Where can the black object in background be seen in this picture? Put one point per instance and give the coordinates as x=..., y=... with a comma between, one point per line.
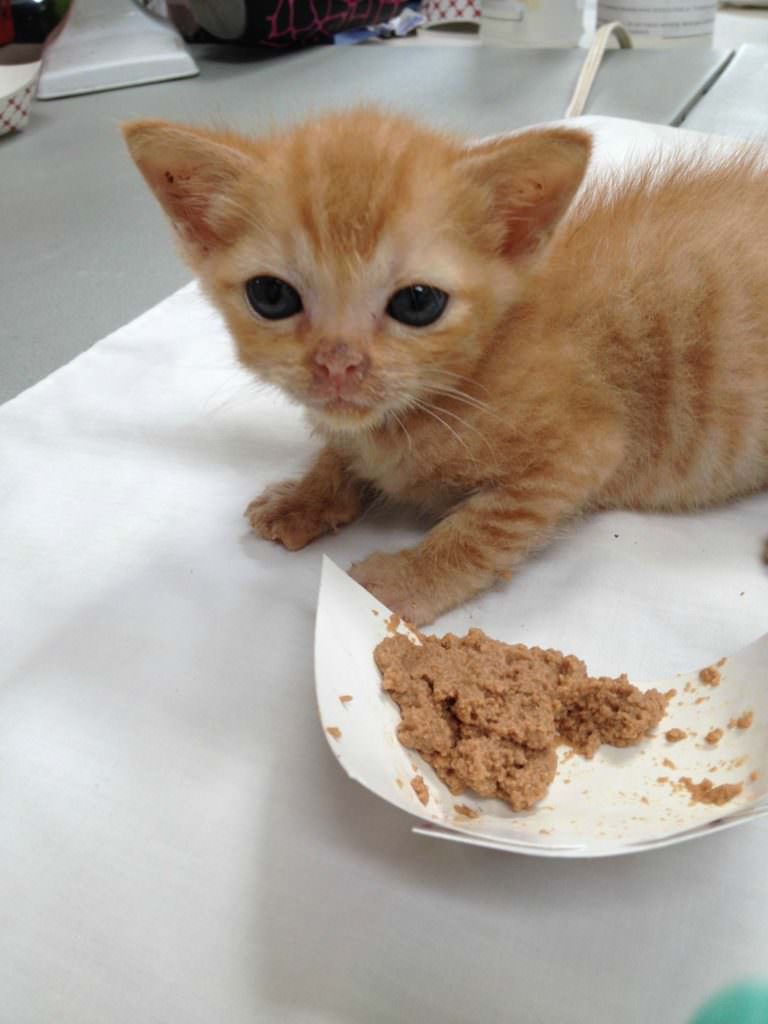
x=276, y=23
x=34, y=21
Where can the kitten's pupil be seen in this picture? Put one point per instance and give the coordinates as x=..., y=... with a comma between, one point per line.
x=272, y=298
x=418, y=305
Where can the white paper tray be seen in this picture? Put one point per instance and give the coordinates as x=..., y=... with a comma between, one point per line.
x=608, y=805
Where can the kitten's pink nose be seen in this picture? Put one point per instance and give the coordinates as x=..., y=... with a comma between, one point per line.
x=339, y=364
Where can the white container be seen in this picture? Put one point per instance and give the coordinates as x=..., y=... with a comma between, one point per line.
x=531, y=23
x=656, y=24
x=18, y=83
x=101, y=48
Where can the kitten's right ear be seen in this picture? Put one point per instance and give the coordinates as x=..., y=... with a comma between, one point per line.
x=195, y=177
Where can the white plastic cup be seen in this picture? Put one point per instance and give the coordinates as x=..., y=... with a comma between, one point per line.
x=531, y=23
x=662, y=23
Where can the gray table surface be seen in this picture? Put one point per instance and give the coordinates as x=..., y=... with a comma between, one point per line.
x=738, y=105
x=83, y=246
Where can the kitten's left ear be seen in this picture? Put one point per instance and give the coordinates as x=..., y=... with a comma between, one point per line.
x=531, y=178
x=195, y=175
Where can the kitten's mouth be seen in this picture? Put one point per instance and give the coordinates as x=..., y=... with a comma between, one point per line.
x=345, y=414
x=344, y=405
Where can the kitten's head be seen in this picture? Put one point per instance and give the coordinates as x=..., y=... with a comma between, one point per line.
x=361, y=261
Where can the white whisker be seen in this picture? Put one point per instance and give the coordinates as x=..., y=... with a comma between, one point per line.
x=462, y=376
x=461, y=396
x=430, y=411
x=468, y=426
x=404, y=428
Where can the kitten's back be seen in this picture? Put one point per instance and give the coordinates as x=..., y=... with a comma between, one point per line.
x=664, y=278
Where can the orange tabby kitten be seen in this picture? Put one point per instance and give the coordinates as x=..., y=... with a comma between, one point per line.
x=455, y=349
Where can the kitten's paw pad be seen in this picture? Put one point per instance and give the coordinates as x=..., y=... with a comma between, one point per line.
x=392, y=579
x=282, y=514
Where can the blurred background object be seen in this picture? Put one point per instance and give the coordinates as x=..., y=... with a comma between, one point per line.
x=548, y=24
x=17, y=91
x=113, y=46
x=664, y=23
x=745, y=1003
x=276, y=23
x=6, y=22
x=451, y=12
x=27, y=27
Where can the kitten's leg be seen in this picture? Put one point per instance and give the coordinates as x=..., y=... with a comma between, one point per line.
x=295, y=512
x=486, y=536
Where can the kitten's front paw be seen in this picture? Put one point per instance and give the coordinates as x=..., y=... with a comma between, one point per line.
x=283, y=514
x=395, y=581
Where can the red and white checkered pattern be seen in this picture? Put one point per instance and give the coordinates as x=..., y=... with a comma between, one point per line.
x=451, y=10
x=14, y=110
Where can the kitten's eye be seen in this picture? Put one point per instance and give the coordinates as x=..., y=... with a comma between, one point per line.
x=418, y=305
x=272, y=298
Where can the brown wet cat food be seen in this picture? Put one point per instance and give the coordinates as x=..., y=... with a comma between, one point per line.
x=466, y=812
x=743, y=721
x=675, y=735
x=488, y=715
x=710, y=676
x=419, y=787
x=706, y=792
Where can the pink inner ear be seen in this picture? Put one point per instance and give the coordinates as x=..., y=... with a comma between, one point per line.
x=195, y=175
x=188, y=202
x=529, y=214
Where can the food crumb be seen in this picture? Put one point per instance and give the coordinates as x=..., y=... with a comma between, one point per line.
x=662, y=779
x=713, y=736
x=375, y=611
x=393, y=622
x=753, y=776
x=669, y=764
x=645, y=800
x=743, y=721
x=334, y=731
x=719, y=664
x=420, y=788
x=399, y=783
x=345, y=698
x=700, y=700
x=710, y=676
x=466, y=812
x=706, y=792
x=675, y=735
